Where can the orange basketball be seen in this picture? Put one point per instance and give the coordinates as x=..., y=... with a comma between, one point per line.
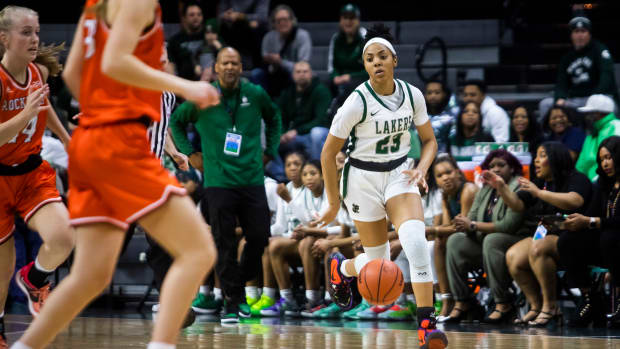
x=380, y=282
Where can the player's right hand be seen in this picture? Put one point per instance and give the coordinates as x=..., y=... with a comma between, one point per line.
x=35, y=99
x=202, y=94
x=328, y=216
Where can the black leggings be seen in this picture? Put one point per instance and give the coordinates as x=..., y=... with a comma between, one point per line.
x=581, y=249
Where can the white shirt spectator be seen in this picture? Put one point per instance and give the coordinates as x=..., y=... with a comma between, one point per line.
x=495, y=120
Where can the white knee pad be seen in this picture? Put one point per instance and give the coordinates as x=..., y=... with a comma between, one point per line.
x=403, y=264
x=431, y=251
x=413, y=239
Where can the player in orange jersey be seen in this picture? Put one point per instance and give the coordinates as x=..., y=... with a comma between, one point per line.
x=115, y=179
x=27, y=183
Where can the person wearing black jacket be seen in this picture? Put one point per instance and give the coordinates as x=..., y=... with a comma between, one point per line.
x=593, y=238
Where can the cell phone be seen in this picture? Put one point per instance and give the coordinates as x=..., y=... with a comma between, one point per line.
x=553, y=221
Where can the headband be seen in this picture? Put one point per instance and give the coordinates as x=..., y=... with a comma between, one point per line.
x=381, y=41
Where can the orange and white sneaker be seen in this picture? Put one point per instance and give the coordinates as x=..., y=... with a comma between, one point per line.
x=36, y=296
x=429, y=336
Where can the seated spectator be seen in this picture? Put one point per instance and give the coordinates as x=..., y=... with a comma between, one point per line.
x=601, y=123
x=523, y=128
x=243, y=24
x=458, y=196
x=593, y=239
x=304, y=113
x=344, y=59
x=587, y=69
x=207, y=54
x=485, y=234
x=558, y=123
x=468, y=131
x=307, y=206
x=557, y=189
x=442, y=111
x=281, y=48
x=184, y=47
x=495, y=120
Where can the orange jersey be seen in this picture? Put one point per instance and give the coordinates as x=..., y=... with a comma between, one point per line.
x=104, y=100
x=12, y=102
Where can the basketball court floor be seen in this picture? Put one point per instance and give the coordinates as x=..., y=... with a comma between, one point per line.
x=119, y=330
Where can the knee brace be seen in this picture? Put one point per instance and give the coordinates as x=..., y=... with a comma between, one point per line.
x=370, y=253
x=413, y=239
x=403, y=264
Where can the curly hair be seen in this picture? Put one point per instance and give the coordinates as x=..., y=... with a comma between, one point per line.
x=379, y=30
x=511, y=160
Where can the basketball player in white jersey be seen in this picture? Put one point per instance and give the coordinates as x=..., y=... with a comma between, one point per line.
x=378, y=180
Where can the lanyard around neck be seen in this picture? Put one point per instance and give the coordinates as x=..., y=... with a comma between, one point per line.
x=231, y=111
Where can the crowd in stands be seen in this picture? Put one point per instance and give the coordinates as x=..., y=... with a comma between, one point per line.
x=517, y=227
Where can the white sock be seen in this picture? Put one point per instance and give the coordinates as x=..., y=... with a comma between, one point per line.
x=20, y=345
x=328, y=297
x=343, y=270
x=251, y=291
x=287, y=294
x=160, y=345
x=206, y=290
x=269, y=292
x=2, y=314
x=313, y=296
x=40, y=268
x=217, y=293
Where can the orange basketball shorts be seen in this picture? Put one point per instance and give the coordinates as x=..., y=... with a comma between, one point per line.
x=24, y=195
x=114, y=177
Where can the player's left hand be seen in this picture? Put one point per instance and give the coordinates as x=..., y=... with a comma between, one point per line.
x=416, y=177
x=328, y=216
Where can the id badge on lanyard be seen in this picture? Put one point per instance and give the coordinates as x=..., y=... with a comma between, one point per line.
x=232, y=143
x=541, y=232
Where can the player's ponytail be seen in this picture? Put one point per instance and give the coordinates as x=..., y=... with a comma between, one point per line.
x=48, y=57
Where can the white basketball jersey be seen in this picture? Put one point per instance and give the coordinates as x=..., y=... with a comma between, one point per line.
x=376, y=133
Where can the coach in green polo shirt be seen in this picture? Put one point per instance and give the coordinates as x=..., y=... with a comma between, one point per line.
x=232, y=161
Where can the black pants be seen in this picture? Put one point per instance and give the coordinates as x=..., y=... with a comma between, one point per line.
x=581, y=249
x=249, y=206
x=157, y=258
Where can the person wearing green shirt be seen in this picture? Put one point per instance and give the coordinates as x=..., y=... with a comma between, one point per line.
x=304, y=113
x=344, y=57
x=232, y=160
x=601, y=123
x=587, y=69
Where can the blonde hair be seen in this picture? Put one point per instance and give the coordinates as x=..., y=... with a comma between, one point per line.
x=46, y=55
x=7, y=15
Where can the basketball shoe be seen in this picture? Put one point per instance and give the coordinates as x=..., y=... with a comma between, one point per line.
x=263, y=303
x=340, y=286
x=206, y=304
x=36, y=296
x=429, y=337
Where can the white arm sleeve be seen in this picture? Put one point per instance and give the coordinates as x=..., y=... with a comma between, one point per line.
x=420, y=116
x=347, y=116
